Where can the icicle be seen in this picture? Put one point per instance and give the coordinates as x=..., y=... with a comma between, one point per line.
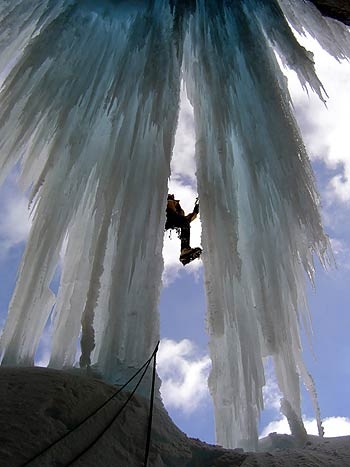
x=295, y=423
x=310, y=385
x=332, y=35
x=20, y=22
x=280, y=36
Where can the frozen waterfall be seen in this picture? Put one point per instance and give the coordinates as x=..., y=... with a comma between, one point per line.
x=88, y=112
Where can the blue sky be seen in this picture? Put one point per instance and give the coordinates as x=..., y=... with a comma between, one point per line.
x=183, y=361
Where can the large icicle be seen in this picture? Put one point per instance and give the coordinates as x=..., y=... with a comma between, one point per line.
x=332, y=35
x=89, y=108
x=259, y=207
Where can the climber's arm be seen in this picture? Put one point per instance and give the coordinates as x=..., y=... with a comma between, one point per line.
x=192, y=216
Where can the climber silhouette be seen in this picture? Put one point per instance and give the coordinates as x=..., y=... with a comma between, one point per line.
x=176, y=219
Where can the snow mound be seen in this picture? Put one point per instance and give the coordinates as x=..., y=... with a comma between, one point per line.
x=44, y=404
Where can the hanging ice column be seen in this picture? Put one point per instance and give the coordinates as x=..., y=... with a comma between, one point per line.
x=259, y=207
x=90, y=109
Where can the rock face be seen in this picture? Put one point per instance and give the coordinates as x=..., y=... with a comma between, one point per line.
x=40, y=406
x=337, y=9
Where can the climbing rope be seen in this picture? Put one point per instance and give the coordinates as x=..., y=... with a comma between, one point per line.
x=116, y=415
x=144, y=367
x=149, y=429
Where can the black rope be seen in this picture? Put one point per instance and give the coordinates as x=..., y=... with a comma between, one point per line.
x=146, y=364
x=114, y=418
x=149, y=430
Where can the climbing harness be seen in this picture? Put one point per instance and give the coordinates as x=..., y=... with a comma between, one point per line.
x=177, y=230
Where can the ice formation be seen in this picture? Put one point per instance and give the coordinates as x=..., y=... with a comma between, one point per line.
x=89, y=106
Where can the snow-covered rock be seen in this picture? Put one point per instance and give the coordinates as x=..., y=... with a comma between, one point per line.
x=40, y=405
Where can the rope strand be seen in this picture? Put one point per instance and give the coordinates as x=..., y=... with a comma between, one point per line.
x=99, y=408
x=150, y=417
x=111, y=422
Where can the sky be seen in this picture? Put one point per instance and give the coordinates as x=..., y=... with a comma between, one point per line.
x=183, y=360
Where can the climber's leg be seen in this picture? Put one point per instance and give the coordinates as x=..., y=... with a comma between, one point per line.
x=185, y=235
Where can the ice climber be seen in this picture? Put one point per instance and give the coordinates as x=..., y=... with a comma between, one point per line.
x=176, y=219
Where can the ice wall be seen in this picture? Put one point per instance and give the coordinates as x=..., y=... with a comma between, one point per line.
x=259, y=207
x=88, y=110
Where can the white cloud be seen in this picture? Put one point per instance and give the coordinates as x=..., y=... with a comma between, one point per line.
x=325, y=130
x=333, y=426
x=184, y=375
x=14, y=221
x=276, y=426
x=341, y=253
x=271, y=393
x=183, y=161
